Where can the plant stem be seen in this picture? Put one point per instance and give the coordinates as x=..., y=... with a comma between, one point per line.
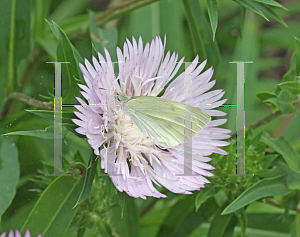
x=113, y=13
x=30, y=101
x=277, y=204
x=265, y=120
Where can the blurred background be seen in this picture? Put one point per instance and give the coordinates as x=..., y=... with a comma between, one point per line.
x=265, y=32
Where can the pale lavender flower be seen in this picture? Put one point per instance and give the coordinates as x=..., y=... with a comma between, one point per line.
x=17, y=234
x=140, y=160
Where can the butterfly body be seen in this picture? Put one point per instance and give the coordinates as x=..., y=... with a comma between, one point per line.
x=165, y=121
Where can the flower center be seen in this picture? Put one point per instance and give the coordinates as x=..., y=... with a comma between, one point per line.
x=129, y=135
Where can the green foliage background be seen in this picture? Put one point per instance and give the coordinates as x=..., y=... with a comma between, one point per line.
x=35, y=32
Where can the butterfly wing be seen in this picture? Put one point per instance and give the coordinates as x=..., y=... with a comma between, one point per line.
x=164, y=120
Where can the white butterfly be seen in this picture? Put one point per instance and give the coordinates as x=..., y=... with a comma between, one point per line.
x=165, y=121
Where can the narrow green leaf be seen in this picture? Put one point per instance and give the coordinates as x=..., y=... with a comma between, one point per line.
x=213, y=15
x=67, y=116
x=53, y=212
x=291, y=86
x=88, y=179
x=70, y=70
x=202, y=196
x=53, y=28
x=15, y=42
x=273, y=103
x=9, y=172
x=266, y=95
x=251, y=6
x=45, y=44
x=48, y=133
x=284, y=148
x=263, y=188
x=56, y=32
x=269, y=12
x=271, y=3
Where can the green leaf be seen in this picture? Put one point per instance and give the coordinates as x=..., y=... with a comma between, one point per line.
x=251, y=6
x=213, y=15
x=202, y=196
x=263, y=188
x=285, y=102
x=15, y=42
x=67, y=116
x=53, y=212
x=56, y=32
x=48, y=133
x=88, y=179
x=284, y=148
x=266, y=95
x=271, y=3
x=9, y=172
x=274, y=103
x=291, y=86
x=70, y=70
